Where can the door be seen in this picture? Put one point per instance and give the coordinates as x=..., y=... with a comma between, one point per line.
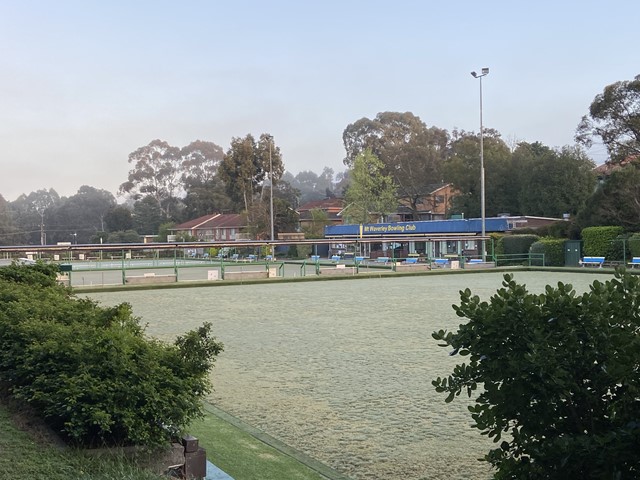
x=572, y=253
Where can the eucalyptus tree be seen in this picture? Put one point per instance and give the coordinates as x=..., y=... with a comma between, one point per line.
x=33, y=214
x=246, y=166
x=412, y=154
x=614, y=119
x=156, y=172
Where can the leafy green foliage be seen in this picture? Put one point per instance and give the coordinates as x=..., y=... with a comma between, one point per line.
x=553, y=249
x=613, y=119
x=89, y=371
x=634, y=245
x=38, y=275
x=603, y=241
x=552, y=182
x=615, y=202
x=371, y=194
x=557, y=375
x=516, y=244
x=411, y=153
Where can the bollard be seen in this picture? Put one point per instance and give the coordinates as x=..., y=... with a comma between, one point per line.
x=195, y=458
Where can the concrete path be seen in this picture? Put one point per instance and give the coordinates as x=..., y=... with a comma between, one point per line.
x=214, y=473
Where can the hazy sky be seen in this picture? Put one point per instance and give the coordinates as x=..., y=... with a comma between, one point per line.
x=84, y=83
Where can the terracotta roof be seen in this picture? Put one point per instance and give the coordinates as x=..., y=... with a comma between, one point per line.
x=215, y=220
x=327, y=203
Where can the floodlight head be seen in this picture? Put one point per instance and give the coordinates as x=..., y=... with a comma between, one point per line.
x=485, y=71
x=475, y=75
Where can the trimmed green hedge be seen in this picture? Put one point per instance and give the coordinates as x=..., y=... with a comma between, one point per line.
x=634, y=245
x=517, y=244
x=553, y=249
x=603, y=242
x=89, y=371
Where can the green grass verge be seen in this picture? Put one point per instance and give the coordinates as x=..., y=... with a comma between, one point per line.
x=24, y=457
x=242, y=452
x=249, y=454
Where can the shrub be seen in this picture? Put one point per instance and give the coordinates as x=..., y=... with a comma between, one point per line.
x=558, y=373
x=90, y=372
x=603, y=242
x=634, y=245
x=517, y=244
x=553, y=249
x=498, y=246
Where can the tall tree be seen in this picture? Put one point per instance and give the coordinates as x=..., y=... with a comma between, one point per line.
x=118, y=219
x=371, y=193
x=33, y=214
x=200, y=161
x=462, y=170
x=78, y=217
x=412, y=154
x=9, y=233
x=614, y=117
x=552, y=182
x=147, y=216
x=207, y=198
x=247, y=164
x=157, y=171
x=616, y=200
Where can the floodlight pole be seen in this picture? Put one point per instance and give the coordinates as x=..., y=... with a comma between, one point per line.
x=485, y=71
x=271, y=193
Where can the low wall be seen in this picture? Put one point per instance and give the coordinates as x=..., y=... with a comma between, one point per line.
x=338, y=271
x=412, y=267
x=471, y=266
x=150, y=279
x=246, y=275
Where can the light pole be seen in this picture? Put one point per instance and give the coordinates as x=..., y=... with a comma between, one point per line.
x=485, y=71
x=271, y=192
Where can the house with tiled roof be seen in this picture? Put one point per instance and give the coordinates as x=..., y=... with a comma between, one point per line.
x=216, y=227
x=331, y=206
x=433, y=204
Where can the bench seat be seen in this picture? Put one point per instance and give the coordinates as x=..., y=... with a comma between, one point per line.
x=595, y=261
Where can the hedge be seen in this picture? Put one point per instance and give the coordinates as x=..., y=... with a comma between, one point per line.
x=603, y=242
x=89, y=371
x=553, y=249
x=517, y=244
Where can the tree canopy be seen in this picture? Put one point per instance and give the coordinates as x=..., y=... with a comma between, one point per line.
x=247, y=164
x=411, y=154
x=614, y=118
x=370, y=194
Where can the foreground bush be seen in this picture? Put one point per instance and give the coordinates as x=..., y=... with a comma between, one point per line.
x=558, y=378
x=89, y=371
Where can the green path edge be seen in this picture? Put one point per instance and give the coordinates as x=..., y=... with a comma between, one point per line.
x=282, y=447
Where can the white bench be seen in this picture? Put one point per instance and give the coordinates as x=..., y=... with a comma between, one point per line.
x=594, y=261
x=382, y=260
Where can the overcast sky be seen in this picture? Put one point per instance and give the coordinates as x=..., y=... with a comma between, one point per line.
x=84, y=83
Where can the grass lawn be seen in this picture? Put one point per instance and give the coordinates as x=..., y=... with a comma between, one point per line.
x=31, y=456
x=26, y=453
x=248, y=454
